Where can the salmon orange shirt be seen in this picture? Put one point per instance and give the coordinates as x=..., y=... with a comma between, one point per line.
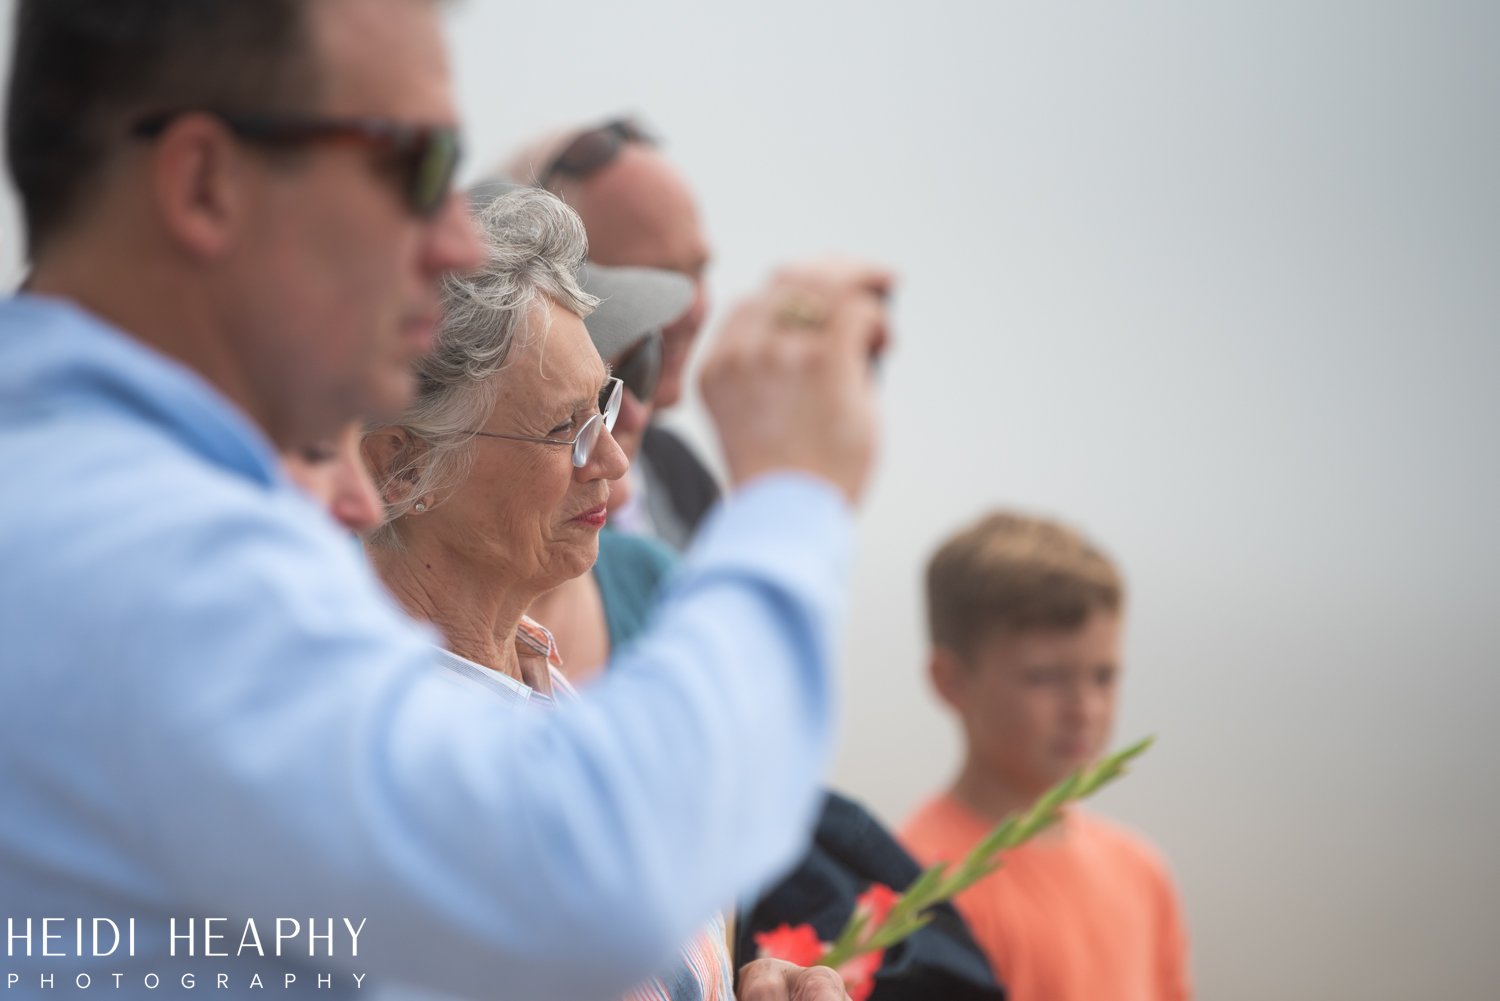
x=1090, y=915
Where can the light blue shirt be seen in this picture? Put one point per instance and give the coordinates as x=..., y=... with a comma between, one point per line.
x=209, y=709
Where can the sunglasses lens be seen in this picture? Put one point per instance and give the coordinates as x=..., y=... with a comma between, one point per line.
x=641, y=369
x=588, y=152
x=432, y=173
x=631, y=132
x=593, y=149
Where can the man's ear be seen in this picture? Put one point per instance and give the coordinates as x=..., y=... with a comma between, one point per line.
x=395, y=460
x=948, y=674
x=199, y=177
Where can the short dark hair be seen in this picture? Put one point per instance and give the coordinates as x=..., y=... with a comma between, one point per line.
x=85, y=70
x=1015, y=572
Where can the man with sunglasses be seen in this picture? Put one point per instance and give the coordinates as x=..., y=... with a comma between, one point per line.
x=640, y=212
x=216, y=733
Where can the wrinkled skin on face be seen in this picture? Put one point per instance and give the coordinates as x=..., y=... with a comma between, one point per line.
x=524, y=511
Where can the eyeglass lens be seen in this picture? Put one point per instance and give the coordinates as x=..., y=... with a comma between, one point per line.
x=584, y=444
x=609, y=402
x=604, y=420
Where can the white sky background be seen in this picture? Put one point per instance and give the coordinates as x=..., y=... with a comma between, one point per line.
x=1220, y=286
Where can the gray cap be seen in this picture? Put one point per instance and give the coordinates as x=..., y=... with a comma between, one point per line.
x=633, y=302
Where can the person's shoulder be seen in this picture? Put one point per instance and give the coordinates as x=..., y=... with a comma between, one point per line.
x=166, y=495
x=279, y=548
x=1120, y=840
x=195, y=587
x=939, y=830
x=1135, y=863
x=135, y=516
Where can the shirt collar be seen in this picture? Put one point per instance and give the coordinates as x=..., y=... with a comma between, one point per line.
x=54, y=349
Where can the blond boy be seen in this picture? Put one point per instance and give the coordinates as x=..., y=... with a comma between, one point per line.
x=1025, y=619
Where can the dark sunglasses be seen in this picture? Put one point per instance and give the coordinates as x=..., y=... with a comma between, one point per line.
x=589, y=151
x=640, y=370
x=425, y=156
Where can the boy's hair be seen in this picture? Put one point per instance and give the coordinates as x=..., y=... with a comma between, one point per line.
x=1019, y=573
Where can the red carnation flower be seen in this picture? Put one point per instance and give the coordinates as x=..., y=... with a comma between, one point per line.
x=859, y=974
x=877, y=902
x=798, y=944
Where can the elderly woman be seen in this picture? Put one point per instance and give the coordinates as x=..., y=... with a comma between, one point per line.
x=600, y=613
x=496, y=478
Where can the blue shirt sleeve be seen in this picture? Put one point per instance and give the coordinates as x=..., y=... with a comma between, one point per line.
x=237, y=721
x=208, y=706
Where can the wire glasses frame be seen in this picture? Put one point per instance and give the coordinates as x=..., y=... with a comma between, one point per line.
x=426, y=156
x=588, y=435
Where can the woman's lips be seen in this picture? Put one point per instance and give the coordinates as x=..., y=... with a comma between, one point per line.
x=594, y=516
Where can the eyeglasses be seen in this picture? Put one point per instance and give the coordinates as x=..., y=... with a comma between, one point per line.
x=591, y=150
x=425, y=156
x=640, y=370
x=588, y=435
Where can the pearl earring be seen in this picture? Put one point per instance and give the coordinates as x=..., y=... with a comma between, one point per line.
x=420, y=506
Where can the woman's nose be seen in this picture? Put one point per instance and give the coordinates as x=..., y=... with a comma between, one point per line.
x=607, y=459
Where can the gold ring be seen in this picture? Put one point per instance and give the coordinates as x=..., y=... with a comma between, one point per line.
x=801, y=310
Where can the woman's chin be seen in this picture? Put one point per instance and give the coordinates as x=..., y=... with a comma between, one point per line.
x=577, y=559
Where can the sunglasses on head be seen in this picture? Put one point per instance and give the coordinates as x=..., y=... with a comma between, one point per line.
x=640, y=368
x=591, y=150
x=425, y=157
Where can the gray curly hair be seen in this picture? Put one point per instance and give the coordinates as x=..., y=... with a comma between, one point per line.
x=534, y=247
